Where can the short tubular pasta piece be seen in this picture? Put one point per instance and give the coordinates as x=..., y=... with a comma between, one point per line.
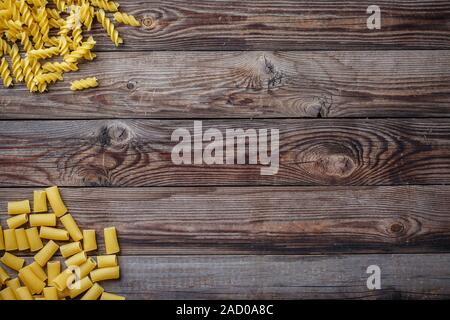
x=23, y=293
x=13, y=283
x=53, y=234
x=22, y=240
x=46, y=253
x=84, y=84
x=76, y=260
x=89, y=240
x=111, y=296
x=93, y=293
x=39, y=201
x=111, y=242
x=63, y=280
x=43, y=220
x=33, y=239
x=2, y=239
x=10, y=240
x=70, y=249
x=17, y=221
x=27, y=276
x=38, y=271
x=105, y=274
x=4, y=276
x=56, y=202
x=19, y=207
x=126, y=18
x=50, y=293
x=109, y=27
x=80, y=286
x=72, y=227
x=87, y=267
x=53, y=270
x=7, y=294
x=107, y=261
x=12, y=261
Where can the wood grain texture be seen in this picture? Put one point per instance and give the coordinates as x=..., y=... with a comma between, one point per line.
x=282, y=25
x=246, y=84
x=285, y=277
x=262, y=220
x=138, y=153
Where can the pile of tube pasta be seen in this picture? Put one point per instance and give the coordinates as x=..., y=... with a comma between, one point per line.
x=46, y=278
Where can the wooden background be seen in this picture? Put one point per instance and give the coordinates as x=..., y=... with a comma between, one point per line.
x=364, y=149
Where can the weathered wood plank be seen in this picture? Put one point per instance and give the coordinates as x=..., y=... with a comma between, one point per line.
x=261, y=220
x=283, y=25
x=138, y=153
x=283, y=277
x=247, y=84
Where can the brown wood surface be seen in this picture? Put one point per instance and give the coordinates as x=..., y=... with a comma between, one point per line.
x=246, y=84
x=259, y=220
x=138, y=153
x=282, y=25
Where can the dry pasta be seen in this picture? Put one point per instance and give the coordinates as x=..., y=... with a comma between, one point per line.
x=111, y=242
x=23, y=293
x=27, y=276
x=43, y=220
x=33, y=239
x=40, y=201
x=2, y=240
x=105, y=274
x=17, y=221
x=53, y=270
x=10, y=240
x=3, y=275
x=22, y=240
x=50, y=293
x=56, y=202
x=63, y=279
x=46, y=253
x=87, y=267
x=126, y=18
x=84, y=84
x=12, y=261
x=53, y=234
x=80, y=286
x=89, y=240
x=93, y=293
x=111, y=296
x=72, y=227
x=19, y=207
x=70, y=249
x=13, y=283
x=107, y=261
x=38, y=271
x=76, y=260
x=7, y=294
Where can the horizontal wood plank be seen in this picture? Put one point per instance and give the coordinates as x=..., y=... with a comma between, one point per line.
x=138, y=153
x=246, y=84
x=282, y=25
x=262, y=220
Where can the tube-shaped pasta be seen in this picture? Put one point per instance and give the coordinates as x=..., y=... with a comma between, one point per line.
x=107, y=261
x=50, y=293
x=12, y=261
x=33, y=239
x=110, y=296
x=43, y=220
x=23, y=293
x=80, y=286
x=32, y=281
x=46, y=253
x=105, y=274
x=13, y=283
x=2, y=239
x=76, y=260
x=39, y=201
x=89, y=240
x=72, y=227
x=63, y=279
x=19, y=207
x=56, y=202
x=70, y=249
x=37, y=297
x=22, y=240
x=4, y=276
x=111, y=242
x=87, y=267
x=10, y=240
x=53, y=234
x=38, y=271
x=93, y=293
x=7, y=294
x=53, y=270
x=17, y=221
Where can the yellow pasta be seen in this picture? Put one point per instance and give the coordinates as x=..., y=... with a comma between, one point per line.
x=10, y=240
x=53, y=270
x=111, y=242
x=13, y=283
x=63, y=280
x=53, y=234
x=46, y=253
x=17, y=221
x=105, y=274
x=80, y=286
x=72, y=227
x=48, y=78
x=29, y=76
x=70, y=249
x=12, y=261
x=107, y=261
x=93, y=293
x=27, y=276
x=16, y=63
x=109, y=27
x=38, y=271
x=43, y=53
x=23, y=293
x=7, y=294
x=89, y=240
x=76, y=260
x=22, y=240
x=126, y=18
x=19, y=207
x=110, y=6
x=87, y=267
x=110, y=296
x=43, y=220
x=2, y=240
x=56, y=202
x=5, y=74
x=84, y=84
x=60, y=67
x=39, y=201
x=33, y=239
x=4, y=276
x=50, y=293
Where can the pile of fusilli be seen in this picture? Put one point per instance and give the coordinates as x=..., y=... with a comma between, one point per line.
x=53, y=31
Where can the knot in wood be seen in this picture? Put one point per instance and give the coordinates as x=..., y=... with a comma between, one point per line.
x=148, y=22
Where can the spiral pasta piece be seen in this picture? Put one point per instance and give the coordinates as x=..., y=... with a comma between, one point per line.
x=48, y=78
x=43, y=22
x=60, y=67
x=43, y=53
x=5, y=73
x=29, y=76
x=63, y=45
x=109, y=27
x=16, y=63
x=84, y=84
x=81, y=51
x=126, y=18
x=109, y=6
x=26, y=43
